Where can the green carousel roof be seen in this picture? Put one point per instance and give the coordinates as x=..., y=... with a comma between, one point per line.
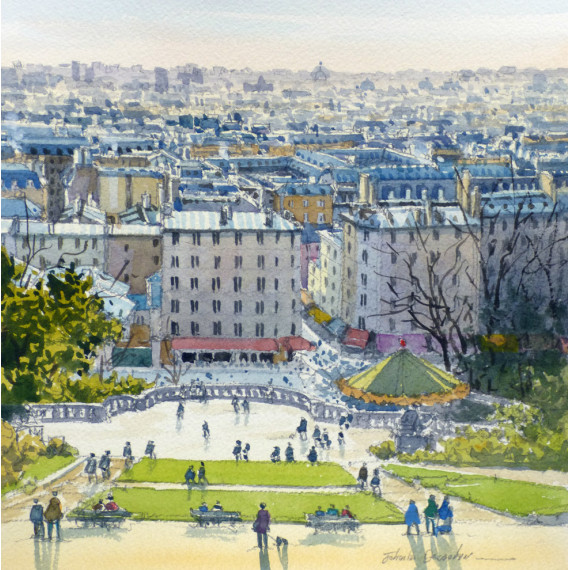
x=404, y=377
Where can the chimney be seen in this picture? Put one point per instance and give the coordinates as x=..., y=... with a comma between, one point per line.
x=145, y=199
x=546, y=183
x=462, y=189
x=440, y=195
x=429, y=212
x=363, y=188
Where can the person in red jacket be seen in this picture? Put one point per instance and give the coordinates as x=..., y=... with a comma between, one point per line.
x=346, y=512
x=111, y=505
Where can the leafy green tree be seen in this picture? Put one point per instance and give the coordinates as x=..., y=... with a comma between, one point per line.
x=50, y=331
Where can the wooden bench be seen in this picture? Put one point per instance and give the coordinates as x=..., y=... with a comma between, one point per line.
x=332, y=523
x=103, y=519
x=215, y=517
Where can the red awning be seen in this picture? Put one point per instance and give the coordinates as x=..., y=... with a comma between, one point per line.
x=296, y=343
x=356, y=337
x=221, y=344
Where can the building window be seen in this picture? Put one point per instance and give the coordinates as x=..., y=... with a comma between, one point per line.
x=291, y=203
x=293, y=329
x=321, y=218
x=237, y=237
x=276, y=284
x=365, y=257
x=174, y=329
x=260, y=238
x=277, y=237
x=174, y=306
x=366, y=235
x=193, y=306
x=349, y=272
x=237, y=329
x=259, y=308
x=237, y=307
x=93, y=243
x=411, y=234
x=238, y=260
x=216, y=305
x=492, y=228
x=305, y=217
x=349, y=230
x=237, y=284
x=276, y=307
x=156, y=259
x=217, y=328
x=363, y=300
x=215, y=283
x=194, y=261
x=276, y=262
x=364, y=279
x=457, y=235
x=216, y=238
x=392, y=236
x=194, y=283
x=174, y=261
x=261, y=284
x=195, y=238
x=361, y=323
x=261, y=261
x=292, y=261
x=217, y=261
x=174, y=283
x=293, y=303
x=95, y=262
x=349, y=247
x=194, y=328
x=259, y=330
x=305, y=203
x=436, y=235
x=293, y=284
x=413, y=258
x=392, y=281
x=320, y=203
x=394, y=258
x=155, y=242
x=292, y=240
x=457, y=253
x=175, y=238
x=126, y=245
x=392, y=325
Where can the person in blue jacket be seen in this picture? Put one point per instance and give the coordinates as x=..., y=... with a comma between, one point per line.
x=445, y=516
x=412, y=517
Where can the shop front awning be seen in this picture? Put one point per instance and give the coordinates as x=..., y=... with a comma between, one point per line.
x=356, y=337
x=213, y=344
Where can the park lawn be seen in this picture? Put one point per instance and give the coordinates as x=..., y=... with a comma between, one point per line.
x=297, y=474
x=40, y=469
x=175, y=505
x=518, y=498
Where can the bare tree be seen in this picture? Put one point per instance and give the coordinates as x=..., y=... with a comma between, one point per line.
x=175, y=368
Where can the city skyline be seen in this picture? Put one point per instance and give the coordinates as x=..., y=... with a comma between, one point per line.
x=362, y=37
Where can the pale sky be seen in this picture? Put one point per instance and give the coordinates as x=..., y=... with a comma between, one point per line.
x=358, y=35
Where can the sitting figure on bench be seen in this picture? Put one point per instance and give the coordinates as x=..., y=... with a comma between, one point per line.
x=203, y=508
x=346, y=512
x=99, y=506
x=332, y=511
x=319, y=512
x=111, y=505
x=217, y=508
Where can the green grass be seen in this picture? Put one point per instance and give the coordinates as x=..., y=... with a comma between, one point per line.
x=150, y=504
x=299, y=474
x=518, y=498
x=39, y=470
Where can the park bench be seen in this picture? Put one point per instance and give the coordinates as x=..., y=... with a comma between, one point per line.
x=215, y=517
x=103, y=519
x=332, y=523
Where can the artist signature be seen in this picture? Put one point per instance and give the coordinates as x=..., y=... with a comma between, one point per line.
x=400, y=555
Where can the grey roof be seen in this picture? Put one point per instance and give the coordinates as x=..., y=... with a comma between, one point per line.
x=210, y=221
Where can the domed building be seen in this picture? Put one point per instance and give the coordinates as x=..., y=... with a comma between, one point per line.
x=320, y=73
x=367, y=85
x=404, y=379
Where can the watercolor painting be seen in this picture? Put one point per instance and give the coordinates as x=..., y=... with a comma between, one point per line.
x=284, y=285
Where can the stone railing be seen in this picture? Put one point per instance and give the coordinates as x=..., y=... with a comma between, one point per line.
x=114, y=405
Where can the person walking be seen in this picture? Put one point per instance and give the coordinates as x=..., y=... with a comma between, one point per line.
x=53, y=515
x=237, y=450
x=412, y=517
x=180, y=411
x=202, y=473
x=302, y=429
x=375, y=483
x=312, y=457
x=91, y=468
x=317, y=436
x=246, y=452
x=235, y=404
x=127, y=451
x=430, y=513
x=276, y=455
x=205, y=430
x=190, y=475
x=261, y=526
x=105, y=465
x=363, y=476
x=245, y=406
x=37, y=518
x=289, y=453
x=150, y=450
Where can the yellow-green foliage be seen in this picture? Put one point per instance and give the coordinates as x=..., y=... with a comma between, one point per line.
x=520, y=438
x=385, y=450
x=93, y=388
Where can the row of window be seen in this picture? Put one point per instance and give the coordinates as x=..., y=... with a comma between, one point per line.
x=217, y=306
x=237, y=281
x=320, y=203
x=238, y=237
x=94, y=242
x=238, y=261
x=217, y=329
